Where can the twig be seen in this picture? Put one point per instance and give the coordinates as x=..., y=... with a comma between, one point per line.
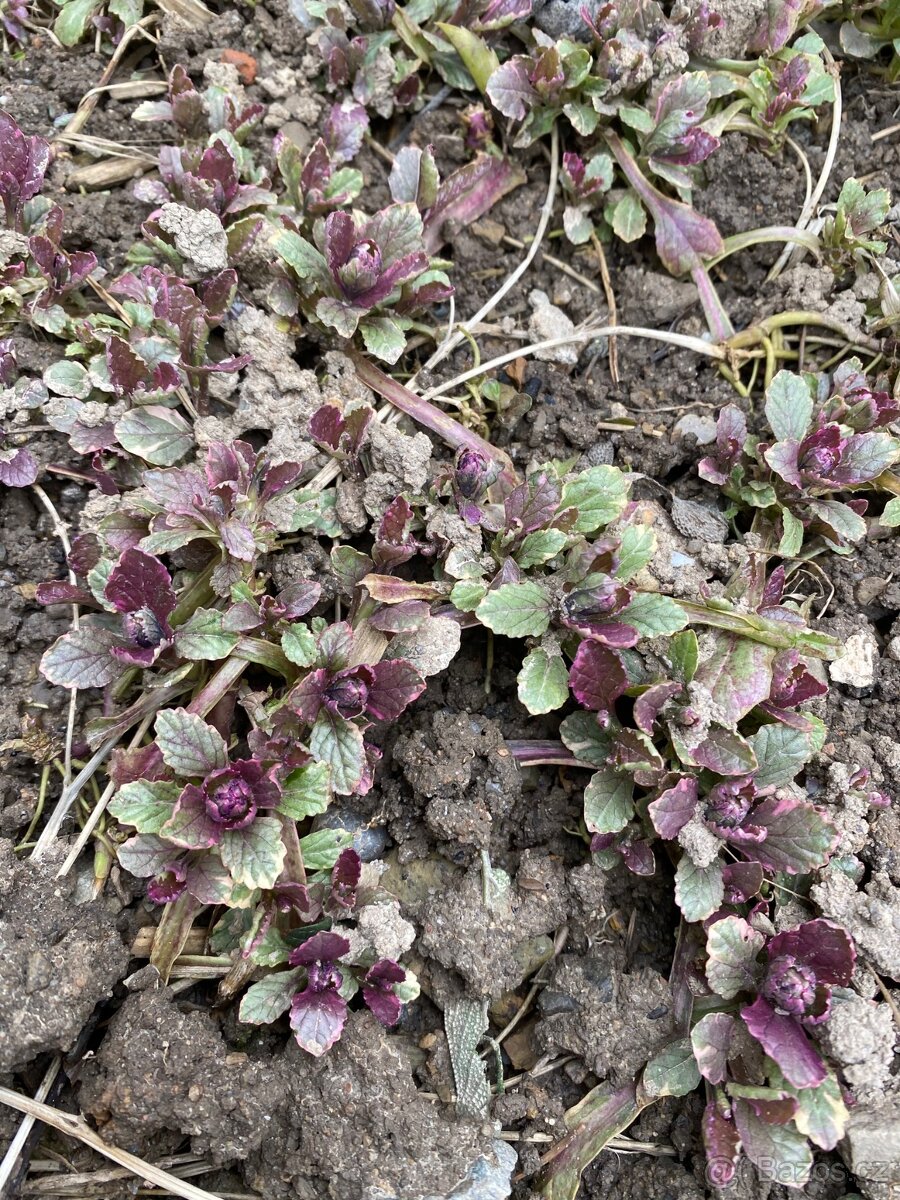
x=70, y=794
x=611, y=301
x=883, y=133
x=79, y=1129
x=891, y=1002
x=554, y=262
x=88, y=103
x=100, y=807
x=63, y=534
x=512, y=279
x=8, y=1165
x=683, y=340
x=809, y=207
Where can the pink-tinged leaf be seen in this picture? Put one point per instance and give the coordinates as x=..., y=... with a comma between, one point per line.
x=711, y=1040
x=340, y=236
x=189, y=826
x=820, y=944
x=649, y=704
x=773, y=1106
x=397, y=684
x=722, y=751
x=782, y=457
x=738, y=675
x=345, y=128
x=139, y=580
x=84, y=554
x=306, y=698
x=339, y=743
x=188, y=745
x=401, y=618
x=779, y=22
x=638, y=857
x=509, y=88
x=82, y=658
x=468, y=194
x=798, y=838
x=673, y=808
x=207, y=880
x=532, y=505
x=317, y=1019
x=733, y=947
x=18, y=468
x=127, y=370
x=783, y=1040
x=145, y=855
x=597, y=677
x=387, y=589
x=238, y=539
x=683, y=236
x=722, y=1143
x=778, y=1151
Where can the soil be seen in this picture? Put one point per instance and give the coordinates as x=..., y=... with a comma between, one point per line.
x=373, y=1119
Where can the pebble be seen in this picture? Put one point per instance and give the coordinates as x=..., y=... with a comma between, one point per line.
x=856, y=666
x=369, y=843
x=700, y=427
x=548, y=322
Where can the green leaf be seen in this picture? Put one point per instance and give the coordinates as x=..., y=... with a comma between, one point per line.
x=781, y=752
x=82, y=659
x=698, y=890
x=188, y=745
x=601, y=1115
x=128, y=11
x=315, y=513
x=732, y=948
x=789, y=406
x=299, y=644
x=158, y=435
x=68, y=378
x=303, y=258
x=608, y=801
x=384, y=337
x=339, y=743
x=780, y=1148
x=516, y=610
x=599, y=494
x=307, y=791
x=684, y=654
x=582, y=735
x=265, y=1001
x=202, y=637
x=821, y=1113
x=254, y=856
x=539, y=547
x=791, y=535
x=478, y=58
x=73, y=20
x=891, y=515
x=653, y=615
x=637, y=545
x=673, y=1071
x=467, y=594
x=543, y=682
x=322, y=849
x=628, y=218
x=144, y=804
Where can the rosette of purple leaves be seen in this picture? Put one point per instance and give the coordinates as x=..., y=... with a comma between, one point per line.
x=822, y=443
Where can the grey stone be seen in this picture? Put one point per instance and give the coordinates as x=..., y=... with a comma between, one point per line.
x=199, y=237
x=695, y=425
x=695, y=520
x=871, y=1149
x=856, y=665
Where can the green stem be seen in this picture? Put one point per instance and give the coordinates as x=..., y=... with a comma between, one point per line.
x=210, y=695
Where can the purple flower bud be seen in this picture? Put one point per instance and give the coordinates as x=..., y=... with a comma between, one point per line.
x=347, y=695
x=321, y=975
x=820, y=453
x=587, y=604
x=471, y=473
x=8, y=364
x=790, y=985
x=362, y=269
x=231, y=802
x=168, y=885
x=728, y=804
x=142, y=628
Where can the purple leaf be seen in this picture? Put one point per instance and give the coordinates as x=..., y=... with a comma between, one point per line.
x=673, y=808
x=127, y=370
x=18, y=468
x=345, y=877
x=597, y=677
x=467, y=194
x=345, y=128
x=58, y=591
x=397, y=683
x=139, y=581
x=722, y=1143
x=189, y=825
x=638, y=857
x=317, y=1019
x=320, y=948
x=532, y=505
x=743, y=880
x=783, y=1040
x=23, y=164
x=378, y=990
x=821, y=945
x=783, y=458
x=724, y=752
x=649, y=704
x=326, y=425
x=798, y=837
x=738, y=675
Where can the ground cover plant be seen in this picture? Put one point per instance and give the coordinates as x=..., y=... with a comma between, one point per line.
x=228, y=718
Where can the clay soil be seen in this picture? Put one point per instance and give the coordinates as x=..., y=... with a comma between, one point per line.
x=178, y=1080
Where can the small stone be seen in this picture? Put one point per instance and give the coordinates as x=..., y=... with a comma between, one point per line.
x=697, y=426
x=199, y=237
x=856, y=666
x=488, y=1178
x=546, y=324
x=694, y=520
x=893, y=649
x=871, y=1149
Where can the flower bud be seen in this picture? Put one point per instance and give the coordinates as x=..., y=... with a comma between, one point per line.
x=471, y=474
x=231, y=803
x=790, y=985
x=142, y=628
x=347, y=695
